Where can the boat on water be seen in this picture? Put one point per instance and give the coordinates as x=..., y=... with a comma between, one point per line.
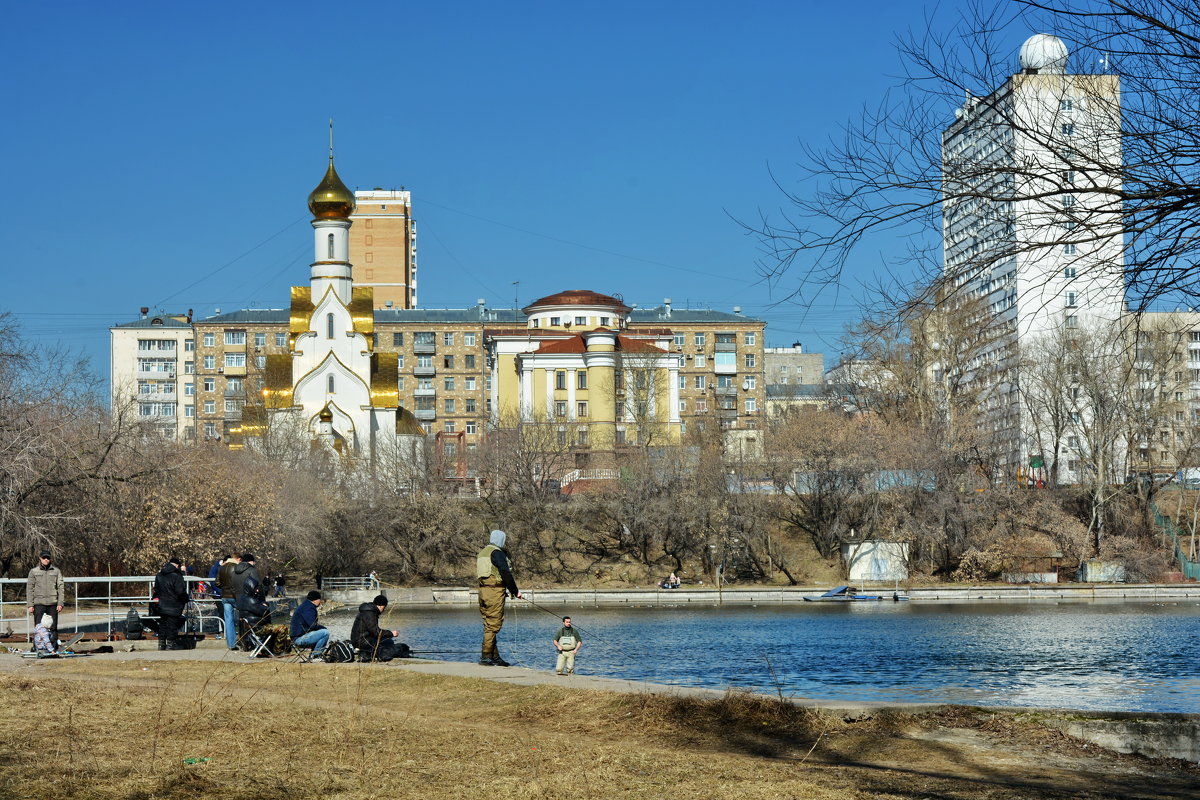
x=849, y=594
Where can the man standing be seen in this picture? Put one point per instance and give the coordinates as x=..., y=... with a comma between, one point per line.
x=45, y=592
x=373, y=643
x=229, y=598
x=496, y=583
x=306, y=631
x=568, y=642
x=170, y=593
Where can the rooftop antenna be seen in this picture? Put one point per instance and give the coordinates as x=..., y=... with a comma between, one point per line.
x=1104, y=62
x=331, y=140
x=516, y=295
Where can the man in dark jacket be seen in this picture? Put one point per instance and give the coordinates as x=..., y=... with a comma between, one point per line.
x=251, y=595
x=306, y=631
x=229, y=599
x=170, y=594
x=373, y=644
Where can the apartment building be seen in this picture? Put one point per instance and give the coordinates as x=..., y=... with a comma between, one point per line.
x=383, y=247
x=793, y=366
x=151, y=363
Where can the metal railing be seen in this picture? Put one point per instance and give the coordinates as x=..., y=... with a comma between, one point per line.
x=101, y=604
x=1189, y=567
x=350, y=584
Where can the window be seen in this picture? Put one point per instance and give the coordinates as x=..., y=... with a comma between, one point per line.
x=1066, y=104
x=470, y=405
x=555, y=322
x=750, y=338
x=449, y=405
x=234, y=385
x=726, y=381
x=1068, y=272
x=468, y=362
x=560, y=379
x=233, y=406
x=235, y=337
x=750, y=360
x=424, y=337
x=400, y=383
x=1069, y=250
x=581, y=320
x=679, y=337
x=260, y=340
x=210, y=362
x=210, y=339
x=533, y=323
x=329, y=326
x=751, y=382
x=281, y=340
x=400, y=361
x=562, y=436
x=210, y=430
x=683, y=381
x=698, y=340
x=581, y=409
x=751, y=405
x=189, y=345
x=397, y=340
x=189, y=411
x=448, y=339
x=470, y=426
x=620, y=437
x=560, y=408
x=260, y=362
x=728, y=360
x=330, y=386
x=1074, y=416
x=682, y=406
x=1067, y=128
x=1068, y=200
x=425, y=362
x=726, y=338
x=468, y=339
x=189, y=389
x=448, y=383
x=469, y=384
x=450, y=427
x=701, y=405
x=701, y=361
x=700, y=381
x=1068, y=177
x=1072, y=299
x=581, y=437
x=210, y=406
x=235, y=359
x=189, y=368
x=329, y=248
x=210, y=384
x=580, y=379
x=487, y=383
x=448, y=362
x=604, y=322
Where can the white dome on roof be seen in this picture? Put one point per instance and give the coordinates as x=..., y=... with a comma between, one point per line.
x=1044, y=53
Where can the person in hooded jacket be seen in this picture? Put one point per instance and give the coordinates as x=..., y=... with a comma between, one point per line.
x=251, y=595
x=373, y=643
x=496, y=583
x=171, y=596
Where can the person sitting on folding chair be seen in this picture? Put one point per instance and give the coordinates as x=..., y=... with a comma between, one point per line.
x=306, y=631
x=252, y=604
x=374, y=643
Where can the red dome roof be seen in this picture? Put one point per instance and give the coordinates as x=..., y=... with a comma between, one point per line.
x=578, y=297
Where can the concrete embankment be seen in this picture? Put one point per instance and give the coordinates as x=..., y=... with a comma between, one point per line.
x=704, y=596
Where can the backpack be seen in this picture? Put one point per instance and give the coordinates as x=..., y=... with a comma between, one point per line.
x=339, y=652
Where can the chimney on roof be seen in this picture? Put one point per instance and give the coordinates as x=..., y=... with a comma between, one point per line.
x=388, y=304
x=737, y=309
x=145, y=310
x=667, y=305
x=189, y=317
x=799, y=348
x=482, y=303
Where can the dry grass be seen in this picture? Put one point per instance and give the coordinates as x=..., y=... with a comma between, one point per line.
x=124, y=729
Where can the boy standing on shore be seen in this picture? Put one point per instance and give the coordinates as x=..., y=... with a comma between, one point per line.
x=568, y=643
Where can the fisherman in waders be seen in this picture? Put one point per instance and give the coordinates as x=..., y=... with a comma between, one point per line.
x=496, y=583
x=568, y=642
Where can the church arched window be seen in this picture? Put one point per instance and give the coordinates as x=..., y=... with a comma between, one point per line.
x=329, y=326
x=330, y=386
x=331, y=247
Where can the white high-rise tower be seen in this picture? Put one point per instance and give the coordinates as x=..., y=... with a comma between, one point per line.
x=1031, y=227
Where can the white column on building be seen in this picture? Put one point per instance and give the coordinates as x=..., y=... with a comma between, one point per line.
x=673, y=388
x=571, y=394
x=526, y=390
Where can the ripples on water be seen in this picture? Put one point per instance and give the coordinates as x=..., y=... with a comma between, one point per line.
x=1102, y=656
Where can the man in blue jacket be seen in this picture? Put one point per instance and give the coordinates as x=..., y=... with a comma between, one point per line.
x=306, y=631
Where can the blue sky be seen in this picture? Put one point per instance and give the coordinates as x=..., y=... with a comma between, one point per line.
x=605, y=147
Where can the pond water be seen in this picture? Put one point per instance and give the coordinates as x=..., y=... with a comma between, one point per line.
x=1104, y=656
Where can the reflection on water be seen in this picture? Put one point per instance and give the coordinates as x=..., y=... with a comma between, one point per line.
x=1103, y=656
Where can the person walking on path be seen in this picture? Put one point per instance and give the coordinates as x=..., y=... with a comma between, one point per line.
x=229, y=599
x=568, y=642
x=45, y=591
x=305, y=630
x=170, y=593
x=496, y=583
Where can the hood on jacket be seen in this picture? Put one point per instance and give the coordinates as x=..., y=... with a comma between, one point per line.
x=498, y=538
x=242, y=567
x=169, y=567
x=368, y=607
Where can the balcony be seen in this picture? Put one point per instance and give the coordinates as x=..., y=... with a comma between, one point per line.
x=424, y=392
x=424, y=349
x=425, y=413
x=726, y=347
x=726, y=391
x=424, y=372
x=156, y=375
x=727, y=413
x=725, y=369
x=156, y=397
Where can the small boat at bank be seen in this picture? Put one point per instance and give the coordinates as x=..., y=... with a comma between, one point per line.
x=849, y=594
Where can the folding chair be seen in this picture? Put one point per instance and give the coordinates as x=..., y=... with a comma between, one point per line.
x=257, y=643
x=302, y=655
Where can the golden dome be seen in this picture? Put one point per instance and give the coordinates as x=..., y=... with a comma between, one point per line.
x=331, y=199
x=325, y=415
